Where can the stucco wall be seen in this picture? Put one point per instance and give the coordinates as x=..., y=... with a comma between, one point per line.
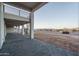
x=2, y=37
x=10, y=30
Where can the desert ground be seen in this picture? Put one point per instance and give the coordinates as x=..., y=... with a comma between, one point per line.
x=67, y=41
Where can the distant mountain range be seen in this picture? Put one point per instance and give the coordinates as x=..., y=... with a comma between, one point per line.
x=64, y=29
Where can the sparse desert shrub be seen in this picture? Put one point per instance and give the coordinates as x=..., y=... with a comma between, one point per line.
x=65, y=32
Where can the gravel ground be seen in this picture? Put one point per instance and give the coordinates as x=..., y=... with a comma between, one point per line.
x=18, y=45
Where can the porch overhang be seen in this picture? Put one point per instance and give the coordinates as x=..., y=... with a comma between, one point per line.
x=29, y=6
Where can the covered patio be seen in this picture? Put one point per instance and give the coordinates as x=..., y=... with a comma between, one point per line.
x=13, y=17
x=13, y=43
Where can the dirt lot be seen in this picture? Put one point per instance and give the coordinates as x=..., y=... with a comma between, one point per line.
x=67, y=41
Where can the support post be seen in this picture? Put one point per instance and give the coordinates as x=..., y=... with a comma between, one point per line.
x=18, y=29
x=2, y=35
x=23, y=30
x=32, y=25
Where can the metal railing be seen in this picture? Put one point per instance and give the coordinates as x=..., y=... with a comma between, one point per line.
x=16, y=11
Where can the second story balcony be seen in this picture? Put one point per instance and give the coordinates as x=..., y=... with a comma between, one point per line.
x=14, y=13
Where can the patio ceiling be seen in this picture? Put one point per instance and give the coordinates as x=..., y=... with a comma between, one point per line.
x=29, y=6
x=11, y=23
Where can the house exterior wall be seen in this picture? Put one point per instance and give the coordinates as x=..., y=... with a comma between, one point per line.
x=5, y=33
x=10, y=30
x=2, y=35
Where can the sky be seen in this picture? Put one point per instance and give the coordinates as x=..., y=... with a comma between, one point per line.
x=57, y=15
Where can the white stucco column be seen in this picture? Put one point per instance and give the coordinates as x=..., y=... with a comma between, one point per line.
x=23, y=30
x=32, y=25
x=2, y=35
x=18, y=29
x=28, y=29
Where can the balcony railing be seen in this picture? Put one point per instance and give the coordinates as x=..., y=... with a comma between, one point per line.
x=16, y=11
